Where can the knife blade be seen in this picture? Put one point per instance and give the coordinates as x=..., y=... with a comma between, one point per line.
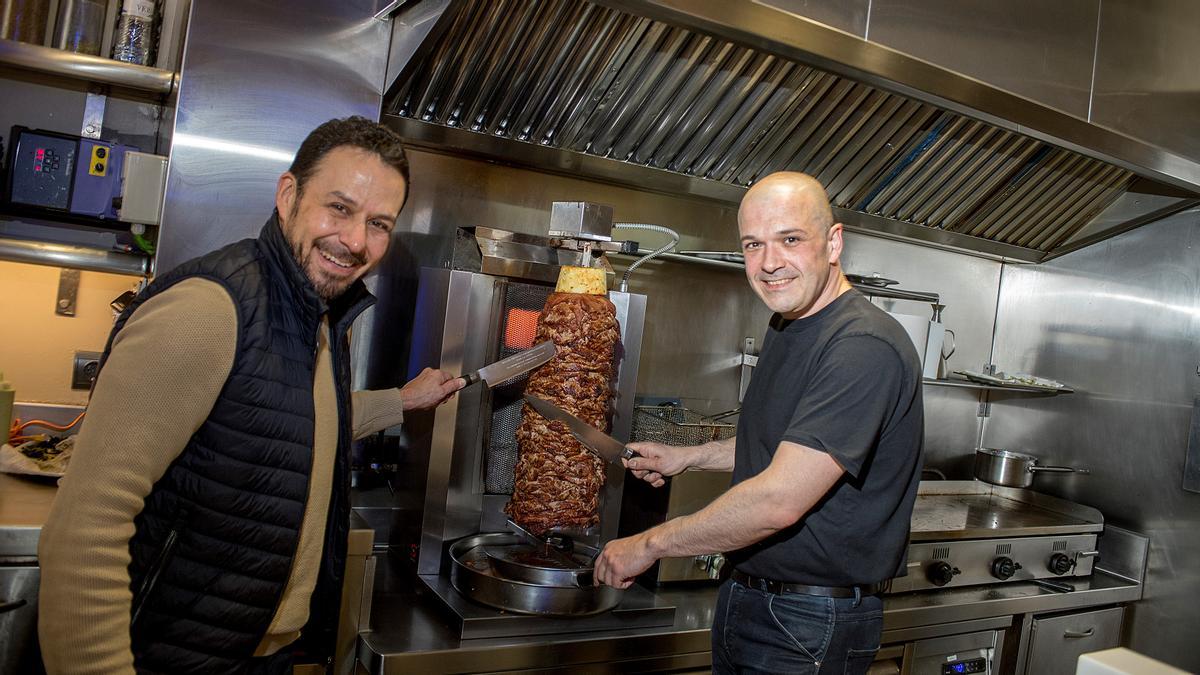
x=601, y=444
x=509, y=367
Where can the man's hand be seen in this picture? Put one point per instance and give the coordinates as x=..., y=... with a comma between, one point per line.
x=622, y=560
x=429, y=389
x=658, y=461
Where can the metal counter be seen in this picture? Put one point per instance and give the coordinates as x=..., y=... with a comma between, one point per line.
x=24, y=506
x=412, y=633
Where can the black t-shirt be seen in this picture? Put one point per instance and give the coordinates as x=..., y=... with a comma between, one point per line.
x=846, y=381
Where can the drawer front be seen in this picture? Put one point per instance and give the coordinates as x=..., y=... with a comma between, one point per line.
x=18, y=620
x=1056, y=642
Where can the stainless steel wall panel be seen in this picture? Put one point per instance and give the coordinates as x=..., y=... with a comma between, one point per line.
x=847, y=15
x=255, y=81
x=1121, y=324
x=1036, y=49
x=1148, y=72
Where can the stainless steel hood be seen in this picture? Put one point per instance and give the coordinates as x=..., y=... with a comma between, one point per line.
x=704, y=97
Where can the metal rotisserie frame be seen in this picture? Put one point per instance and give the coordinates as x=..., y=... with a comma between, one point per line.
x=459, y=327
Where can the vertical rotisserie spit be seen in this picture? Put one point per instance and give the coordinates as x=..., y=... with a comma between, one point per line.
x=557, y=481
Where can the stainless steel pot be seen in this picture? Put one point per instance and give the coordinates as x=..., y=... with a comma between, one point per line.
x=1012, y=469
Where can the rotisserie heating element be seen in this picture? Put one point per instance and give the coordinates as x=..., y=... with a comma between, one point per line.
x=557, y=481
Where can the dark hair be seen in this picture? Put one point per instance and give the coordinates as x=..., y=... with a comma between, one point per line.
x=355, y=132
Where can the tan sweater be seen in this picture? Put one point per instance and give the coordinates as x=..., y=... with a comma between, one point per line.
x=167, y=367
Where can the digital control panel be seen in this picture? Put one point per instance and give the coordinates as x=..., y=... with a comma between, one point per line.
x=64, y=173
x=977, y=665
x=42, y=168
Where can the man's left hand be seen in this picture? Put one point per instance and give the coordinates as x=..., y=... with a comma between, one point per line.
x=622, y=560
x=429, y=389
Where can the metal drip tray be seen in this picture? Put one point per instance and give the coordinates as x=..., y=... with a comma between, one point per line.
x=503, y=571
x=543, y=566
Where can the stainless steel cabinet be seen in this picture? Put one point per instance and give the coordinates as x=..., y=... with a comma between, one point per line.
x=1056, y=642
x=18, y=619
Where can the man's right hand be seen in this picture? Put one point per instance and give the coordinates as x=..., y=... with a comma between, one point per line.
x=429, y=389
x=657, y=461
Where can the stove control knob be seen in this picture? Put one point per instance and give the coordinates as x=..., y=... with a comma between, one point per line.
x=1003, y=568
x=940, y=573
x=1060, y=564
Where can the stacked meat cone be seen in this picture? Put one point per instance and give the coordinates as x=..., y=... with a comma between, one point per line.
x=557, y=481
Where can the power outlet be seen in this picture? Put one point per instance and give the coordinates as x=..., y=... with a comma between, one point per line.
x=87, y=364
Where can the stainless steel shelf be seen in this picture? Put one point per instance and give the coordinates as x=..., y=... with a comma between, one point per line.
x=1014, y=389
x=85, y=68
x=715, y=260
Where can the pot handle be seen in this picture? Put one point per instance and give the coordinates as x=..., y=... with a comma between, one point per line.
x=1057, y=469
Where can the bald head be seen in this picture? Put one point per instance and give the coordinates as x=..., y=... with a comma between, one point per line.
x=797, y=194
x=791, y=244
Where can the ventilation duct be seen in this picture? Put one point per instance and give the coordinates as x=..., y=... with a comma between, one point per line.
x=591, y=88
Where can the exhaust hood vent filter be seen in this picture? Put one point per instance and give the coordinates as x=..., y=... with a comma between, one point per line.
x=584, y=78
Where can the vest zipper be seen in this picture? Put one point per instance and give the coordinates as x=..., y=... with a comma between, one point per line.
x=312, y=462
x=150, y=581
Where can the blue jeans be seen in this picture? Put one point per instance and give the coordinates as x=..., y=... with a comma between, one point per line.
x=759, y=632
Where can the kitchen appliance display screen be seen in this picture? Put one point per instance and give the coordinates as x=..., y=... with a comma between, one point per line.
x=41, y=171
x=968, y=666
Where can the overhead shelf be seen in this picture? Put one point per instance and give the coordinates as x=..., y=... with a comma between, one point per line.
x=732, y=261
x=85, y=68
x=1015, y=389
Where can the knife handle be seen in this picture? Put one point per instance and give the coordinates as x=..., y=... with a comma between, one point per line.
x=470, y=379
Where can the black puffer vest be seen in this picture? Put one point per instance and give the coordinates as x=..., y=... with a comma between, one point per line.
x=215, y=540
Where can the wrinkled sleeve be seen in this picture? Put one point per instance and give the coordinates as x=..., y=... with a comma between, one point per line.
x=854, y=392
x=376, y=410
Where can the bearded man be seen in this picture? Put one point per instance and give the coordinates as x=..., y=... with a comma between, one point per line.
x=202, y=526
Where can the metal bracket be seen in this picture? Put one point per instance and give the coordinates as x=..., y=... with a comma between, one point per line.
x=985, y=402
x=985, y=406
x=93, y=112
x=748, y=362
x=68, y=291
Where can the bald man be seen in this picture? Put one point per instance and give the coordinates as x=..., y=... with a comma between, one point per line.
x=825, y=463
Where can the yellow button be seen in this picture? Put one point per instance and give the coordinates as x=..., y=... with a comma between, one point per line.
x=99, y=165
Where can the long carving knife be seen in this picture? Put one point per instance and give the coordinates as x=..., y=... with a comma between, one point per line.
x=601, y=444
x=507, y=368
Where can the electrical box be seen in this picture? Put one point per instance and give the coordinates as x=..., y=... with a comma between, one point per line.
x=61, y=173
x=143, y=182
